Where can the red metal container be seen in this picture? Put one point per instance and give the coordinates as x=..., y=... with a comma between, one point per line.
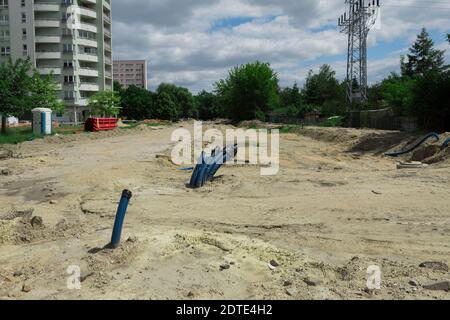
x=100, y=124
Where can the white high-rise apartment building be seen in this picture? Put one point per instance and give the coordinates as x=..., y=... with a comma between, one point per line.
x=71, y=39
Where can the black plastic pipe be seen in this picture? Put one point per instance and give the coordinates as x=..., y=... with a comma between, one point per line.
x=414, y=147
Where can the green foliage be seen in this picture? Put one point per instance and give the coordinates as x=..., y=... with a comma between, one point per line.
x=117, y=86
x=44, y=93
x=137, y=103
x=396, y=93
x=291, y=102
x=431, y=100
x=22, y=89
x=423, y=57
x=105, y=104
x=325, y=91
x=182, y=98
x=166, y=108
x=209, y=106
x=250, y=91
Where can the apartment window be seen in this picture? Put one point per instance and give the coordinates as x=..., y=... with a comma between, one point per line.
x=5, y=51
x=24, y=17
x=67, y=47
x=24, y=33
x=68, y=64
x=69, y=95
x=69, y=79
x=4, y=3
x=67, y=2
x=89, y=50
x=67, y=32
x=4, y=34
x=4, y=19
x=25, y=49
x=22, y=4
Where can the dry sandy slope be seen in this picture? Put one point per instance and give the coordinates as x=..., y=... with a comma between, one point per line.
x=327, y=216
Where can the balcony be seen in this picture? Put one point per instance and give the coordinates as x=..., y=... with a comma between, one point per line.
x=82, y=102
x=90, y=57
x=5, y=39
x=108, y=61
x=53, y=7
x=87, y=72
x=88, y=12
x=47, y=23
x=90, y=1
x=4, y=23
x=107, y=33
x=107, y=47
x=48, y=39
x=89, y=86
x=88, y=27
x=107, y=19
x=88, y=42
x=48, y=55
x=49, y=70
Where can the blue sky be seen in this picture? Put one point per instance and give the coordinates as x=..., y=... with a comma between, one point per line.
x=193, y=43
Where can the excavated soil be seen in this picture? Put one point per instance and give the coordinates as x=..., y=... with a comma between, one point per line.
x=336, y=207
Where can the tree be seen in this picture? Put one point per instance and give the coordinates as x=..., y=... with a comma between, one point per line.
x=431, y=101
x=324, y=91
x=15, y=83
x=105, y=104
x=136, y=103
x=396, y=92
x=166, y=108
x=44, y=93
x=423, y=57
x=183, y=99
x=249, y=92
x=117, y=86
x=22, y=88
x=209, y=106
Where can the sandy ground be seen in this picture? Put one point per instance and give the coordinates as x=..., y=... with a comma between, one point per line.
x=336, y=207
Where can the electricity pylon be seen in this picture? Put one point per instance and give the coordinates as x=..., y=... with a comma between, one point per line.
x=357, y=23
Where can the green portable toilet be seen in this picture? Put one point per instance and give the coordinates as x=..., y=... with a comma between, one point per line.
x=42, y=121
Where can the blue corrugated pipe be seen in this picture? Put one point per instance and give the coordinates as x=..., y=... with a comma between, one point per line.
x=197, y=170
x=446, y=143
x=211, y=165
x=397, y=154
x=120, y=216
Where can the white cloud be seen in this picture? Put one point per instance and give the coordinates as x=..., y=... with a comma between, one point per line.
x=181, y=45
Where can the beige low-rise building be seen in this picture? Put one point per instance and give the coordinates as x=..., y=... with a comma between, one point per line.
x=131, y=72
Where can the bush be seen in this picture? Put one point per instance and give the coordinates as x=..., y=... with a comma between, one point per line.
x=250, y=91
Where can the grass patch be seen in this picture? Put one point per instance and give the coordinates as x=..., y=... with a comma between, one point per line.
x=156, y=124
x=332, y=122
x=18, y=135
x=289, y=129
x=22, y=134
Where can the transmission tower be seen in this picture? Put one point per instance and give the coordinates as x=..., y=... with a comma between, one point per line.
x=357, y=22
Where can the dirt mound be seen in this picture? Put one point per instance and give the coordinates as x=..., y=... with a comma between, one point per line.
x=28, y=230
x=431, y=152
x=357, y=140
